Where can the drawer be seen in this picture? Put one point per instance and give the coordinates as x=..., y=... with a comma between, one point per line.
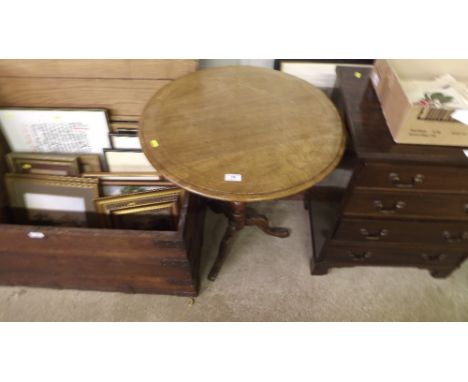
x=353, y=253
x=413, y=177
x=380, y=230
x=105, y=259
x=381, y=204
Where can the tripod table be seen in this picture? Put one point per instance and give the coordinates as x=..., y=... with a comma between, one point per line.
x=242, y=134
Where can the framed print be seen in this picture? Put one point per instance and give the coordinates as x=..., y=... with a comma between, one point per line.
x=125, y=187
x=124, y=141
x=320, y=73
x=112, y=185
x=117, y=189
x=161, y=217
x=121, y=177
x=55, y=130
x=52, y=200
x=127, y=161
x=43, y=164
x=106, y=206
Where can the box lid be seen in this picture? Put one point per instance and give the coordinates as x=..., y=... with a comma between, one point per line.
x=428, y=69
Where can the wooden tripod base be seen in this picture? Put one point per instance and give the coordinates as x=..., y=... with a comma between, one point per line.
x=239, y=216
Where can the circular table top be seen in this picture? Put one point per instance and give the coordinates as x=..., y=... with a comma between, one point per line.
x=242, y=133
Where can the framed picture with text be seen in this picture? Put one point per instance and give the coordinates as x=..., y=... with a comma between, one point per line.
x=56, y=131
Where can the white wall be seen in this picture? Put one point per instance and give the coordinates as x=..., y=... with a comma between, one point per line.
x=213, y=63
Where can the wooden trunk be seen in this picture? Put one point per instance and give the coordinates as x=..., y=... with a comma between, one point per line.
x=89, y=258
x=105, y=259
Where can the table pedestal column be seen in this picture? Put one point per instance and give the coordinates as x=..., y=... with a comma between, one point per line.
x=239, y=216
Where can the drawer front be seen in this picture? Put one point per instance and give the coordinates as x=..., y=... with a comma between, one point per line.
x=380, y=230
x=362, y=255
x=413, y=177
x=381, y=204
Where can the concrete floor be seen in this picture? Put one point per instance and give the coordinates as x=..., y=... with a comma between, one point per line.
x=263, y=279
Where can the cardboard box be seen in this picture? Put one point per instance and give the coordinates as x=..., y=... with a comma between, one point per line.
x=415, y=124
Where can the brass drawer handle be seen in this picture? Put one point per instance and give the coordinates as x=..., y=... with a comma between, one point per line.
x=454, y=237
x=373, y=236
x=389, y=210
x=396, y=181
x=434, y=257
x=360, y=256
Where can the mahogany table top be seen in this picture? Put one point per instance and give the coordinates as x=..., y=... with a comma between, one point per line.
x=242, y=133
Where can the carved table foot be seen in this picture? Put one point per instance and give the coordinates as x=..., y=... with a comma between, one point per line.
x=261, y=221
x=238, y=219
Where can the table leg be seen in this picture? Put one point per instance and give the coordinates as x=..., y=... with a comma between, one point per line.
x=238, y=218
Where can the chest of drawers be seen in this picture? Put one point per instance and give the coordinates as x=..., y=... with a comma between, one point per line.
x=404, y=205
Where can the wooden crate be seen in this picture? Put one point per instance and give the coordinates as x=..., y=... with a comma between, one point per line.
x=89, y=258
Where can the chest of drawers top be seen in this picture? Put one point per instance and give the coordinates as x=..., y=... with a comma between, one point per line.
x=369, y=133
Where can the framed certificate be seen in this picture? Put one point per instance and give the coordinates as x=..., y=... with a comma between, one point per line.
x=55, y=130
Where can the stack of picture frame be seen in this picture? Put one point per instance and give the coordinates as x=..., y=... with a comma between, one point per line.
x=67, y=168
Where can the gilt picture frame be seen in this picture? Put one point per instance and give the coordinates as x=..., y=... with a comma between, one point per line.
x=52, y=200
x=105, y=206
x=116, y=184
x=117, y=188
x=43, y=164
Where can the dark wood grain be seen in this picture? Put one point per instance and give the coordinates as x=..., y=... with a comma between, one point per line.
x=373, y=254
x=406, y=205
x=121, y=260
x=387, y=231
x=413, y=177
